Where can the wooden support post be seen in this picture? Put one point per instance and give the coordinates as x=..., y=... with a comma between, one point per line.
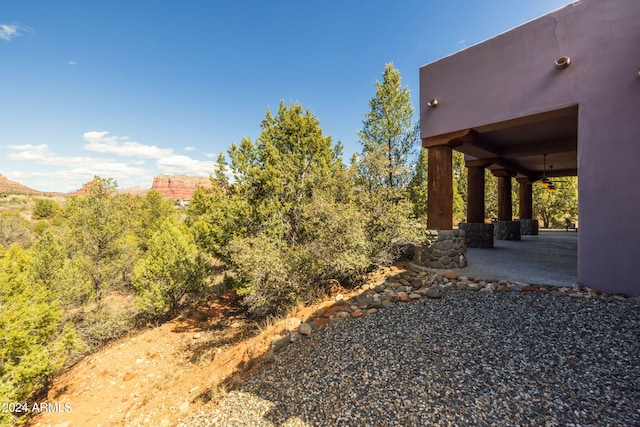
x=505, y=211
x=440, y=188
x=526, y=198
x=475, y=194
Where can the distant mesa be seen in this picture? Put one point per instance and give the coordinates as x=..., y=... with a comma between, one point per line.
x=134, y=191
x=8, y=186
x=179, y=187
x=173, y=187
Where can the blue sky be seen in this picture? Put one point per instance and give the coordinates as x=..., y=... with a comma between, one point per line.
x=129, y=89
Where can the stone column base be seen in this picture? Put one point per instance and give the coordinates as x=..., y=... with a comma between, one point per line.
x=506, y=230
x=529, y=227
x=442, y=249
x=477, y=235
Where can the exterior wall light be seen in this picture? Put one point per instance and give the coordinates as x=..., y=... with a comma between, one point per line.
x=433, y=103
x=563, y=62
x=638, y=73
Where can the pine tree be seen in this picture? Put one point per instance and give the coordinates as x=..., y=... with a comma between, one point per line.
x=173, y=268
x=389, y=134
x=418, y=190
x=279, y=172
x=34, y=342
x=99, y=223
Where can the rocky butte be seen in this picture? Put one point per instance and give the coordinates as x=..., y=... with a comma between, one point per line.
x=14, y=187
x=179, y=187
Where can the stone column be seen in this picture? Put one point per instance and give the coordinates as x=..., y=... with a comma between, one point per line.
x=442, y=246
x=477, y=234
x=528, y=225
x=505, y=228
x=442, y=249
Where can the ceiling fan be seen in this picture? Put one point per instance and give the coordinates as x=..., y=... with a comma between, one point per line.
x=546, y=182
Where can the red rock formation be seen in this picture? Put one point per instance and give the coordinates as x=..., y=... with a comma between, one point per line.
x=134, y=191
x=179, y=187
x=14, y=187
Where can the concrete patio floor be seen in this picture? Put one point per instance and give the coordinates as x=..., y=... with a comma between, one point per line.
x=550, y=258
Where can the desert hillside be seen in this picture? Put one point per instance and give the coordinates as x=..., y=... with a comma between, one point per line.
x=14, y=187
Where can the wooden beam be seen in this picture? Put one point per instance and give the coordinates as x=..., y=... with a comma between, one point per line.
x=475, y=194
x=532, y=118
x=525, y=195
x=540, y=148
x=440, y=188
x=452, y=139
x=505, y=210
x=512, y=167
x=554, y=173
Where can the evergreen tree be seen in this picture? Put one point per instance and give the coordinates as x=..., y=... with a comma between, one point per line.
x=34, y=342
x=47, y=261
x=14, y=229
x=554, y=208
x=45, y=208
x=172, y=269
x=459, y=186
x=389, y=134
x=99, y=222
x=490, y=194
x=418, y=190
x=279, y=172
x=152, y=210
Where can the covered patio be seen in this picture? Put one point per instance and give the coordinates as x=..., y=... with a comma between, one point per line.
x=557, y=96
x=549, y=258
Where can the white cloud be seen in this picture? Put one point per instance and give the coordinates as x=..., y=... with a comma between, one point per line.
x=126, y=161
x=10, y=31
x=189, y=148
x=94, y=136
x=185, y=165
x=72, y=63
x=167, y=161
x=74, y=170
x=121, y=146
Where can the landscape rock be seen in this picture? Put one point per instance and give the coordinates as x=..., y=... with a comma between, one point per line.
x=434, y=293
x=292, y=323
x=305, y=329
x=279, y=343
x=294, y=336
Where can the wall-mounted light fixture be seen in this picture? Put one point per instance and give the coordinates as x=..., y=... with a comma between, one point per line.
x=563, y=62
x=638, y=73
x=433, y=103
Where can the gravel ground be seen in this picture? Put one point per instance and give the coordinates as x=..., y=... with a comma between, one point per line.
x=469, y=358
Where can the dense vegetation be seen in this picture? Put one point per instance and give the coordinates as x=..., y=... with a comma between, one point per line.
x=287, y=220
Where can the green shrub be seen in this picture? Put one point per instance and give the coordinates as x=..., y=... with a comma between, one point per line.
x=172, y=269
x=332, y=245
x=101, y=327
x=34, y=341
x=264, y=276
x=45, y=208
x=335, y=237
x=14, y=229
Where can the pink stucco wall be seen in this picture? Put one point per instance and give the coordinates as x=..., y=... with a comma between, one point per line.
x=512, y=75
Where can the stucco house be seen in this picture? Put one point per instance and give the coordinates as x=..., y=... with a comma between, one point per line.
x=561, y=90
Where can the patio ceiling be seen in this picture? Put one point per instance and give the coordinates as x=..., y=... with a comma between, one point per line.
x=520, y=144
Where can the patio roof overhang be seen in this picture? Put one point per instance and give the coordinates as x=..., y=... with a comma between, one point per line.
x=520, y=145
